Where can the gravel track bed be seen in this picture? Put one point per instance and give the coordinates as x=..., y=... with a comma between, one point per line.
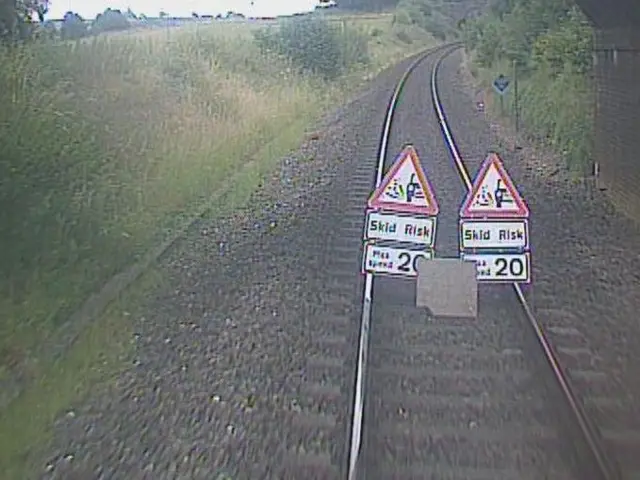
x=586, y=264
x=408, y=433
x=220, y=356
x=586, y=255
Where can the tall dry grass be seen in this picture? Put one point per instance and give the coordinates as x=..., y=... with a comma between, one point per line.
x=110, y=143
x=107, y=146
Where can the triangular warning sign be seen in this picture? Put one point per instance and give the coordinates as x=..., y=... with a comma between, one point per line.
x=405, y=187
x=493, y=194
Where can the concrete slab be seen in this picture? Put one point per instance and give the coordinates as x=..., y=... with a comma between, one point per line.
x=447, y=287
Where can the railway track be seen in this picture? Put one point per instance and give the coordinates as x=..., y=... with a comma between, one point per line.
x=443, y=399
x=603, y=424
x=456, y=399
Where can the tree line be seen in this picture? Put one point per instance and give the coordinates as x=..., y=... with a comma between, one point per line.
x=74, y=26
x=549, y=43
x=17, y=17
x=22, y=20
x=550, y=34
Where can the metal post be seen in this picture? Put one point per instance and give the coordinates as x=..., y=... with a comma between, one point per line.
x=515, y=95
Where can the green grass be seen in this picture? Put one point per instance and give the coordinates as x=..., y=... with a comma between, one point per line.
x=554, y=111
x=98, y=355
x=389, y=40
x=111, y=145
x=94, y=359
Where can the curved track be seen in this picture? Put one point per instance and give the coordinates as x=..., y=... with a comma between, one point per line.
x=299, y=367
x=460, y=399
x=593, y=444
x=429, y=398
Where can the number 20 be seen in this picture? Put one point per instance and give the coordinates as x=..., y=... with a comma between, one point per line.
x=515, y=267
x=405, y=259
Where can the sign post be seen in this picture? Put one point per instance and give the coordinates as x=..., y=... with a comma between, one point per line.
x=401, y=220
x=516, y=109
x=494, y=227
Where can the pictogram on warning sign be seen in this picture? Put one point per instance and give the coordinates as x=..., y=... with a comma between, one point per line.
x=493, y=194
x=405, y=187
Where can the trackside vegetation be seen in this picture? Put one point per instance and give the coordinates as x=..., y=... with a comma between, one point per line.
x=111, y=143
x=113, y=138
x=549, y=42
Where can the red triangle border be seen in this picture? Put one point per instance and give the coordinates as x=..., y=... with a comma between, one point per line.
x=494, y=159
x=408, y=153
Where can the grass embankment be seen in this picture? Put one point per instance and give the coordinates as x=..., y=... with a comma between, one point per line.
x=550, y=45
x=109, y=146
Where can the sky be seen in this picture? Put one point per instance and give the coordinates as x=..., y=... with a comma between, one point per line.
x=88, y=9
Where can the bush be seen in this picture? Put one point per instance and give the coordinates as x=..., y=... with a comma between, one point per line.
x=437, y=29
x=470, y=31
x=402, y=17
x=415, y=11
x=73, y=26
x=488, y=46
x=314, y=46
x=567, y=48
x=110, y=21
x=422, y=14
x=404, y=37
x=46, y=31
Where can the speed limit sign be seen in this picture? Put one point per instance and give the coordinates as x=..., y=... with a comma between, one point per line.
x=502, y=267
x=392, y=260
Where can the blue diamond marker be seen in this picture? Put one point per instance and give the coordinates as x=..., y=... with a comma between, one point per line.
x=501, y=84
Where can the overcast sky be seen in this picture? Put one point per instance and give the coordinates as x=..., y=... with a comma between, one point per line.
x=90, y=8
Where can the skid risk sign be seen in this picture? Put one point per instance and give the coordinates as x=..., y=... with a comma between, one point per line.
x=494, y=234
x=494, y=218
x=405, y=187
x=401, y=221
x=493, y=194
x=395, y=227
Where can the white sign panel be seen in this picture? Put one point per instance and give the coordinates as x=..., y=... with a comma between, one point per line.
x=392, y=260
x=494, y=234
x=499, y=268
x=400, y=228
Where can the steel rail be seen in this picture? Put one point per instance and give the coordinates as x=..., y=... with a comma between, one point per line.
x=365, y=322
x=606, y=469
